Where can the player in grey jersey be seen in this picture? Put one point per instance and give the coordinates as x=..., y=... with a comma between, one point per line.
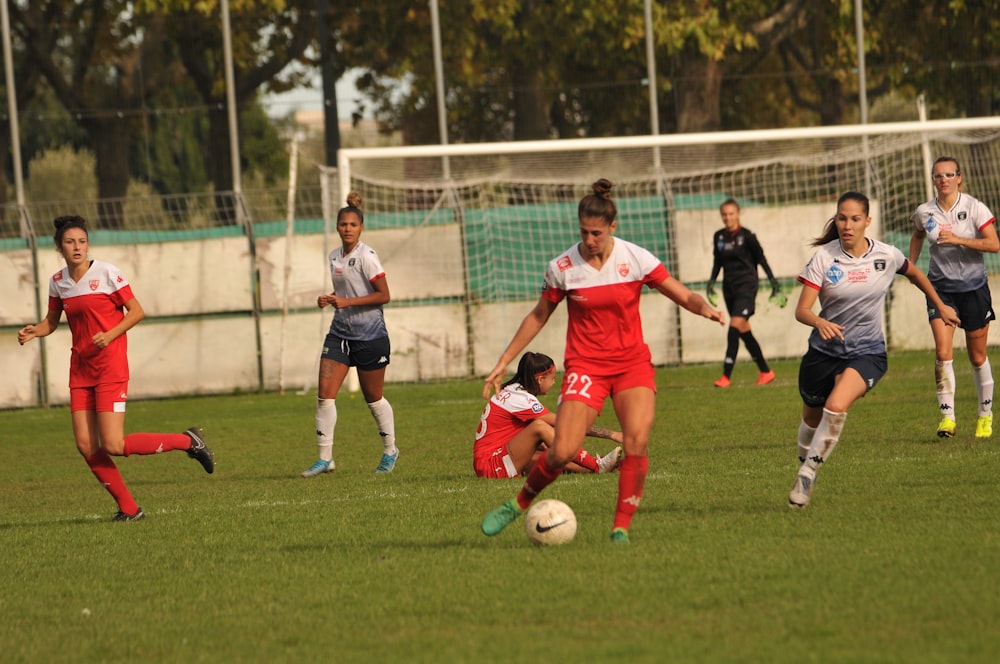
x=959, y=228
x=357, y=338
x=850, y=274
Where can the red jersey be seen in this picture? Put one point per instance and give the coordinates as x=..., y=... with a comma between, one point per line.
x=92, y=305
x=604, y=329
x=506, y=415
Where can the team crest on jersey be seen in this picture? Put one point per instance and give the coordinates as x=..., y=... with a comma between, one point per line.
x=880, y=265
x=351, y=262
x=835, y=274
x=624, y=269
x=963, y=215
x=95, y=284
x=120, y=278
x=564, y=263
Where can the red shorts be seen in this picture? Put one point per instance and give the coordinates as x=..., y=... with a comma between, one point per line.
x=495, y=465
x=103, y=398
x=593, y=387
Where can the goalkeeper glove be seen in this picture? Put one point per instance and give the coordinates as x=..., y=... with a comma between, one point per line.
x=713, y=299
x=778, y=298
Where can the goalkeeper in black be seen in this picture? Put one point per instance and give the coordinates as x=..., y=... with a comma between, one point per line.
x=737, y=253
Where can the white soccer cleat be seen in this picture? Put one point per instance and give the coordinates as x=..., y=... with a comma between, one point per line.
x=611, y=460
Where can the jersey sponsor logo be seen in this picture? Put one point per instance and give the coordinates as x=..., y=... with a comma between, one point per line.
x=338, y=270
x=879, y=265
x=95, y=284
x=57, y=276
x=537, y=407
x=835, y=273
x=857, y=276
x=564, y=263
x=624, y=269
x=930, y=224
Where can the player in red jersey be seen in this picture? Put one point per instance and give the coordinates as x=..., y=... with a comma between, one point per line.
x=100, y=309
x=516, y=428
x=601, y=278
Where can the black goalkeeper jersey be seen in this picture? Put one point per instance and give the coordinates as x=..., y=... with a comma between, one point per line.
x=738, y=255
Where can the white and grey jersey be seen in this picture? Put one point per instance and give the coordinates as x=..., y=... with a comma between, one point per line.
x=955, y=269
x=352, y=276
x=852, y=294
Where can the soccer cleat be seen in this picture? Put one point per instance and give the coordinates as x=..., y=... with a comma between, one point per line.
x=801, y=492
x=722, y=382
x=319, y=468
x=500, y=517
x=765, y=377
x=387, y=463
x=122, y=516
x=199, y=450
x=619, y=536
x=946, y=429
x=611, y=460
x=984, y=426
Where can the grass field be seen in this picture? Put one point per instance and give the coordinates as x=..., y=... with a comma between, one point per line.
x=896, y=559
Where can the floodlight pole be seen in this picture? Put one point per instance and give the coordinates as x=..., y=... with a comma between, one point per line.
x=859, y=29
x=439, y=86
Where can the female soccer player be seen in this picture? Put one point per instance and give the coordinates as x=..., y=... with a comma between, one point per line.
x=960, y=229
x=100, y=309
x=850, y=274
x=357, y=337
x=515, y=427
x=601, y=277
x=736, y=251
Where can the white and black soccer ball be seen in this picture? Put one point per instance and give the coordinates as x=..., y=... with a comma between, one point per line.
x=550, y=522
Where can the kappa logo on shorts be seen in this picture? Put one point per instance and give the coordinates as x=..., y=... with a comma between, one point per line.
x=383, y=359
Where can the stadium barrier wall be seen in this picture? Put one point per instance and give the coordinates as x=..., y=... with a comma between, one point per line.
x=201, y=335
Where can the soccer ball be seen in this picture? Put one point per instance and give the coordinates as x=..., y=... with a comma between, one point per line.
x=550, y=522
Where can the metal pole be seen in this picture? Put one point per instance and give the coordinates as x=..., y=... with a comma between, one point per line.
x=439, y=86
x=15, y=131
x=654, y=110
x=234, y=137
x=859, y=30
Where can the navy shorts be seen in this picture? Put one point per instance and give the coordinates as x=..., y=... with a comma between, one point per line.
x=818, y=373
x=974, y=308
x=370, y=355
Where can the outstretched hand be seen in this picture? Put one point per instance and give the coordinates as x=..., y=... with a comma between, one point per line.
x=491, y=385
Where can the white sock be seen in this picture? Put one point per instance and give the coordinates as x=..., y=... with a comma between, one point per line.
x=825, y=439
x=805, y=438
x=944, y=375
x=382, y=412
x=326, y=422
x=983, y=375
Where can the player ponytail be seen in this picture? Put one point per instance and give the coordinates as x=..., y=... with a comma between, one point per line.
x=531, y=366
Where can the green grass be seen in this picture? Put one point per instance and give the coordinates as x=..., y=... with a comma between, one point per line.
x=895, y=561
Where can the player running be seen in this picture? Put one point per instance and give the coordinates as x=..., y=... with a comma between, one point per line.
x=960, y=229
x=516, y=428
x=850, y=274
x=100, y=309
x=601, y=277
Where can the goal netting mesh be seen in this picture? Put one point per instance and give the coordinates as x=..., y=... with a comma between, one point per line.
x=465, y=231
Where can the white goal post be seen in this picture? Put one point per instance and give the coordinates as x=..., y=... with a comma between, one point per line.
x=465, y=230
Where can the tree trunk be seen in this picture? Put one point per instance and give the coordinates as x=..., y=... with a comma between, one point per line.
x=531, y=108
x=109, y=136
x=699, y=92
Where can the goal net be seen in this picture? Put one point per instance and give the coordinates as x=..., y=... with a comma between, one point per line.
x=465, y=231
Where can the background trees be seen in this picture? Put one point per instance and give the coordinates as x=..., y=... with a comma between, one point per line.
x=141, y=84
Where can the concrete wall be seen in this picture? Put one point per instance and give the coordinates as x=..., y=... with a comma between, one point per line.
x=201, y=335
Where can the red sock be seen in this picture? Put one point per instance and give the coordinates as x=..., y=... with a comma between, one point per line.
x=587, y=461
x=631, y=480
x=154, y=443
x=106, y=472
x=540, y=477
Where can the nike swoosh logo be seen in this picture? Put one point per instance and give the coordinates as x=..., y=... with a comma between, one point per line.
x=544, y=529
